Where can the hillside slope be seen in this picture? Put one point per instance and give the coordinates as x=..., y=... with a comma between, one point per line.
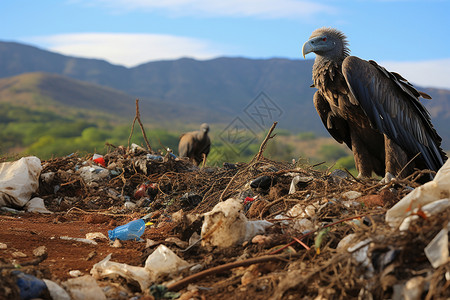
x=78, y=99
x=192, y=91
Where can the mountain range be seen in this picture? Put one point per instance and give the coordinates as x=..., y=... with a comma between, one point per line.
x=182, y=91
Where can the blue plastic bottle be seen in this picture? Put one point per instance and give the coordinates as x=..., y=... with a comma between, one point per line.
x=129, y=231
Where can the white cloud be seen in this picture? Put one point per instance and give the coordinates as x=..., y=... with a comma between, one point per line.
x=214, y=8
x=127, y=49
x=429, y=73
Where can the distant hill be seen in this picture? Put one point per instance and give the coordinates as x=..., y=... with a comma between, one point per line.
x=79, y=99
x=217, y=90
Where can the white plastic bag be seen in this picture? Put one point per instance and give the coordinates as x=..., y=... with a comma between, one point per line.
x=18, y=180
x=225, y=225
x=163, y=261
x=431, y=191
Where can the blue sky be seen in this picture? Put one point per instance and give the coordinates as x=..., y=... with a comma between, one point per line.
x=407, y=36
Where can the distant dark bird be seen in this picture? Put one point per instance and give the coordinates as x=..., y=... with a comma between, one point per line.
x=375, y=112
x=195, y=144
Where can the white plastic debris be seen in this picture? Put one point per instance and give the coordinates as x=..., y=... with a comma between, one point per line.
x=164, y=261
x=161, y=262
x=348, y=241
x=351, y=195
x=56, y=292
x=93, y=173
x=86, y=241
x=18, y=180
x=437, y=250
x=428, y=210
x=129, y=205
x=37, y=205
x=75, y=273
x=299, y=211
x=360, y=252
x=84, y=288
x=225, y=225
x=48, y=177
x=437, y=189
x=95, y=236
x=296, y=180
x=3, y=246
x=303, y=225
x=410, y=290
x=107, y=268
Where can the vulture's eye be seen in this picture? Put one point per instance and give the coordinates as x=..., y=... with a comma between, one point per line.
x=324, y=39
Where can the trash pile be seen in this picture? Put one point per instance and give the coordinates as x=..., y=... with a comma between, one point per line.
x=138, y=225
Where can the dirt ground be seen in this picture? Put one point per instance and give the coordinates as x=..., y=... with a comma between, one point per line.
x=290, y=262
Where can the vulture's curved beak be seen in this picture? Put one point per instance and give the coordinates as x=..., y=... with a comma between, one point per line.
x=307, y=48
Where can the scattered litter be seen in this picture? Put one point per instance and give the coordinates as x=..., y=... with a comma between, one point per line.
x=164, y=261
x=98, y=158
x=130, y=231
x=75, y=273
x=95, y=236
x=225, y=225
x=3, y=246
x=86, y=241
x=351, y=195
x=93, y=173
x=56, y=292
x=437, y=189
x=84, y=288
x=107, y=268
x=437, y=250
x=299, y=182
x=116, y=244
x=37, y=205
x=30, y=287
x=262, y=183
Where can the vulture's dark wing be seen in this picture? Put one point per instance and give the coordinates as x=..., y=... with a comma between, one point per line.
x=336, y=126
x=393, y=108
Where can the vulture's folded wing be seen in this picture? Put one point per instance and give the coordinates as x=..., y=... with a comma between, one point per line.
x=336, y=126
x=393, y=108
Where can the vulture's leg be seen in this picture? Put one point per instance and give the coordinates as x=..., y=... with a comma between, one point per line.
x=362, y=157
x=396, y=159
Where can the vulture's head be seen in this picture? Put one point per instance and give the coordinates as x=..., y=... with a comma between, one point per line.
x=204, y=128
x=327, y=42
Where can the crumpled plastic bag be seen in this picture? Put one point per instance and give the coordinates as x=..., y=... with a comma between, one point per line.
x=18, y=180
x=107, y=268
x=164, y=261
x=432, y=191
x=161, y=262
x=226, y=225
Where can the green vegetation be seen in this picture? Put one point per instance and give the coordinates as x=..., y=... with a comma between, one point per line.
x=46, y=135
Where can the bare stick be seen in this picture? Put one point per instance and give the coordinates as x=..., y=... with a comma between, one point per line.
x=263, y=145
x=222, y=268
x=138, y=118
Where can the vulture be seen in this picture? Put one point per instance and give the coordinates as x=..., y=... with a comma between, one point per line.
x=376, y=113
x=195, y=144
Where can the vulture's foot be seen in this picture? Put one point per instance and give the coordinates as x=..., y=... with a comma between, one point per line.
x=387, y=178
